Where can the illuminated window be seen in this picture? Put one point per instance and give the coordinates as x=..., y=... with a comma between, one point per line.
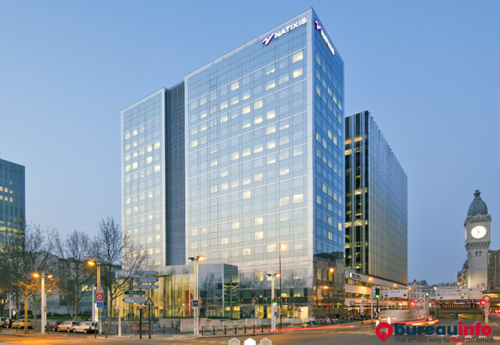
x=157, y=146
x=224, y=240
x=247, y=251
x=235, y=155
x=213, y=163
x=223, y=105
x=257, y=104
x=270, y=69
x=235, y=225
x=157, y=168
x=235, y=86
x=258, y=177
x=259, y=221
x=213, y=95
x=271, y=159
x=270, y=129
x=284, y=171
x=283, y=79
x=259, y=235
x=135, y=165
x=223, y=118
x=258, y=148
x=213, y=189
x=204, y=113
x=298, y=72
x=284, y=201
x=246, y=152
x=258, y=119
x=246, y=109
x=127, y=136
x=245, y=95
x=235, y=100
x=213, y=109
x=203, y=100
x=224, y=186
x=247, y=194
x=271, y=144
x=224, y=173
x=246, y=180
x=149, y=160
x=284, y=124
x=270, y=84
x=246, y=124
x=298, y=198
x=297, y=57
x=271, y=114
x=194, y=143
x=318, y=199
x=127, y=168
x=318, y=90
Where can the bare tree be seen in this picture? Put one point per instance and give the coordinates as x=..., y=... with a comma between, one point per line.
x=74, y=253
x=23, y=254
x=118, y=256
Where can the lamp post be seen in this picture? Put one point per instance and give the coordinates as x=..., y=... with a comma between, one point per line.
x=93, y=263
x=273, y=317
x=282, y=246
x=195, y=260
x=43, y=306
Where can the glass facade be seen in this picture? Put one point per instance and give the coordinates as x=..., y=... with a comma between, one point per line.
x=247, y=154
x=143, y=175
x=264, y=142
x=12, y=202
x=376, y=212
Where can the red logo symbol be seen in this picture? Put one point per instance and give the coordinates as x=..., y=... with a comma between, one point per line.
x=383, y=335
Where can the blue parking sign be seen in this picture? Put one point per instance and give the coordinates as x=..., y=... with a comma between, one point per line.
x=100, y=304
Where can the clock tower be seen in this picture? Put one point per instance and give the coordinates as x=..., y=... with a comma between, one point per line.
x=477, y=242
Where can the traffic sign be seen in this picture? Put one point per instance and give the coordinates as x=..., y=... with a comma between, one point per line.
x=100, y=304
x=99, y=297
x=134, y=300
x=415, y=300
x=418, y=308
x=196, y=303
x=145, y=286
x=352, y=302
x=486, y=298
x=99, y=289
x=145, y=280
x=134, y=292
x=299, y=310
x=145, y=273
x=150, y=302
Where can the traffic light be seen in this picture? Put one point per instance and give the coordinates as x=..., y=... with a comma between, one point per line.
x=275, y=302
x=412, y=304
x=377, y=293
x=483, y=302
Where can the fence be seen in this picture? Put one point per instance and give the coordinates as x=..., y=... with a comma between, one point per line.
x=212, y=330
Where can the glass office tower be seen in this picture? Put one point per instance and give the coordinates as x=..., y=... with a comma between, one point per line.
x=376, y=210
x=244, y=155
x=264, y=165
x=12, y=202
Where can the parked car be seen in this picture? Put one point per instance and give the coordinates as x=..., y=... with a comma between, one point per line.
x=5, y=322
x=85, y=327
x=20, y=324
x=66, y=326
x=52, y=325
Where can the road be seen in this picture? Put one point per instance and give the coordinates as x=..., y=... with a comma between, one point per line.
x=350, y=334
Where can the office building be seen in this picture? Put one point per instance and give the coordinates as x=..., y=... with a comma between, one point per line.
x=12, y=203
x=245, y=157
x=376, y=213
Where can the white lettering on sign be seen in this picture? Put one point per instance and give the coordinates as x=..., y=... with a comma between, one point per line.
x=283, y=31
x=327, y=41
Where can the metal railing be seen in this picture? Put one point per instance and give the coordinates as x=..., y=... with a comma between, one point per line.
x=213, y=330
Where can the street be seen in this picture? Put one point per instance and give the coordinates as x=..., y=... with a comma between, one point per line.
x=354, y=333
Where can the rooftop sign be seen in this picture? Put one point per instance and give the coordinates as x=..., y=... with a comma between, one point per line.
x=318, y=27
x=283, y=31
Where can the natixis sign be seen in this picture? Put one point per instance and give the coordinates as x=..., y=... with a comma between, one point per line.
x=327, y=41
x=283, y=31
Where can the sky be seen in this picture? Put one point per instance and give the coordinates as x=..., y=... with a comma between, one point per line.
x=428, y=71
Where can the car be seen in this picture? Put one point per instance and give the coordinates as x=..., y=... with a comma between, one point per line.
x=20, y=324
x=85, y=327
x=66, y=326
x=52, y=325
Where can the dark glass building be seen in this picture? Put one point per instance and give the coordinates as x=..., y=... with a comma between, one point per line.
x=12, y=203
x=376, y=212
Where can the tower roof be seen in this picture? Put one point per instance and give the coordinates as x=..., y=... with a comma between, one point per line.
x=477, y=205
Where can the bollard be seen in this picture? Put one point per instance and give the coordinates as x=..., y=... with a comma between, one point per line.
x=376, y=323
x=389, y=320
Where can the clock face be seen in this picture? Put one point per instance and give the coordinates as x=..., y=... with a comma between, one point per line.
x=478, y=231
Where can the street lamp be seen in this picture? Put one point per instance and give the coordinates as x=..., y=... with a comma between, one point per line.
x=43, y=306
x=282, y=246
x=195, y=259
x=273, y=303
x=93, y=263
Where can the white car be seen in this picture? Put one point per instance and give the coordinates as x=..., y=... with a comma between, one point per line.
x=85, y=327
x=66, y=326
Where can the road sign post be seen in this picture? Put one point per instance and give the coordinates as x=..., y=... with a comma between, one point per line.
x=149, y=303
x=140, y=322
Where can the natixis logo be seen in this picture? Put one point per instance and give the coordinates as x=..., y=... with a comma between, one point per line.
x=385, y=330
x=283, y=31
x=327, y=41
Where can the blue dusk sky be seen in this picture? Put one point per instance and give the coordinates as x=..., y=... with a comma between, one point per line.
x=428, y=71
